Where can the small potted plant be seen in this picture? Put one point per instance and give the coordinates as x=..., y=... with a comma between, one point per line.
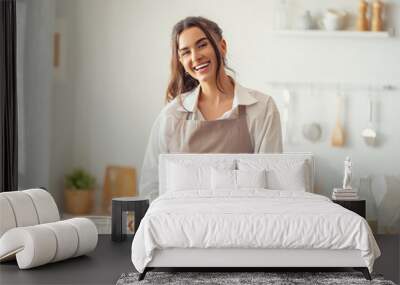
x=79, y=192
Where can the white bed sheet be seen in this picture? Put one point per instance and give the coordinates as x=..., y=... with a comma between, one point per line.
x=250, y=218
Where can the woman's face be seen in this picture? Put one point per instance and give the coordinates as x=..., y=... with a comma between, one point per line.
x=197, y=55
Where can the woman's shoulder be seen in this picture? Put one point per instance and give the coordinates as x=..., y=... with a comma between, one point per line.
x=263, y=100
x=174, y=108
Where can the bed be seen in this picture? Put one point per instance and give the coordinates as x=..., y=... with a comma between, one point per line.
x=245, y=211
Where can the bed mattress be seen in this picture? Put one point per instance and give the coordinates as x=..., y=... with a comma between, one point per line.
x=250, y=219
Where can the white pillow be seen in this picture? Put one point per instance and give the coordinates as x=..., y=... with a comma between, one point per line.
x=236, y=179
x=223, y=179
x=251, y=178
x=181, y=178
x=282, y=174
x=188, y=174
x=292, y=178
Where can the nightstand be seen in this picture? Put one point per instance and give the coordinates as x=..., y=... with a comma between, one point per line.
x=357, y=206
x=120, y=207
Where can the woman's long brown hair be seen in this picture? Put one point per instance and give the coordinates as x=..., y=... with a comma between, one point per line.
x=180, y=81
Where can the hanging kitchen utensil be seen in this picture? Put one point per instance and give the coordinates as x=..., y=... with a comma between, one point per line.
x=337, y=138
x=369, y=133
x=312, y=131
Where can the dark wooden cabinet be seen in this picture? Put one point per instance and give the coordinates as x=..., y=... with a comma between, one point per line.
x=357, y=206
x=138, y=205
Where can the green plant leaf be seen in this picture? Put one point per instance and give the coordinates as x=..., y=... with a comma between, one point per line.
x=80, y=179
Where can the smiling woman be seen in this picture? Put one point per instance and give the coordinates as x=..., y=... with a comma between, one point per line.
x=194, y=39
x=207, y=110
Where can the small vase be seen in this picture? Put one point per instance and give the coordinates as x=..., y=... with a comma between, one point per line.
x=305, y=21
x=78, y=201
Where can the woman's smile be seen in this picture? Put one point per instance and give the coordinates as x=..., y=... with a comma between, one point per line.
x=203, y=67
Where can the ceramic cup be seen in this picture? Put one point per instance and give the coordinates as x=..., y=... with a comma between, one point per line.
x=333, y=20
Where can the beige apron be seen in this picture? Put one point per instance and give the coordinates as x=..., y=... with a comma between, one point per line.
x=217, y=136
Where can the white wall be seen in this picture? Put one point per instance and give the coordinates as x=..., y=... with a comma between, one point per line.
x=63, y=101
x=120, y=53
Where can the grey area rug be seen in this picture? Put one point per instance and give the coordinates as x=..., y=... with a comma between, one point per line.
x=229, y=278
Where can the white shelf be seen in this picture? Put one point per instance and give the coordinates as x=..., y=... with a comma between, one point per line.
x=102, y=222
x=333, y=34
x=346, y=86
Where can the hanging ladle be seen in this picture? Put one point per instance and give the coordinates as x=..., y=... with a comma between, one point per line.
x=312, y=131
x=369, y=133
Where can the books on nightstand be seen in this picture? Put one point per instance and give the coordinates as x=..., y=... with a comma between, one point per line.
x=345, y=194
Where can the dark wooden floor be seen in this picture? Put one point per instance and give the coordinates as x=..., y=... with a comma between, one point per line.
x=102, y=266
x=110, y=260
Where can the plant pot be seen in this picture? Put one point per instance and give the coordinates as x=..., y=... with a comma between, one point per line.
x=78, y=201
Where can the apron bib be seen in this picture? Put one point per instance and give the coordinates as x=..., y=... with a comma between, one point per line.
x=217, y=136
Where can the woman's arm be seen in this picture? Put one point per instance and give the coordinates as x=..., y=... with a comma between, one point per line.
x=270, y=135
x=157, y=144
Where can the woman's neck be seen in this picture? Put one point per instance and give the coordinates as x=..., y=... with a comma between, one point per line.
x=212, y=95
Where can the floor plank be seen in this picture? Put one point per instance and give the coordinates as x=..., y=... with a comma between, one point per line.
x=102, y=266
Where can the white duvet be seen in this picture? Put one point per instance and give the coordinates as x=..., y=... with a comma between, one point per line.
x=251, y=218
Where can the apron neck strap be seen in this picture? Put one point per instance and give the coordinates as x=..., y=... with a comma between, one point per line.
x=241, y=109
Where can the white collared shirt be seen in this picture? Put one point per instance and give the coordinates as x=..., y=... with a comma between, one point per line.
x=263, y=121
